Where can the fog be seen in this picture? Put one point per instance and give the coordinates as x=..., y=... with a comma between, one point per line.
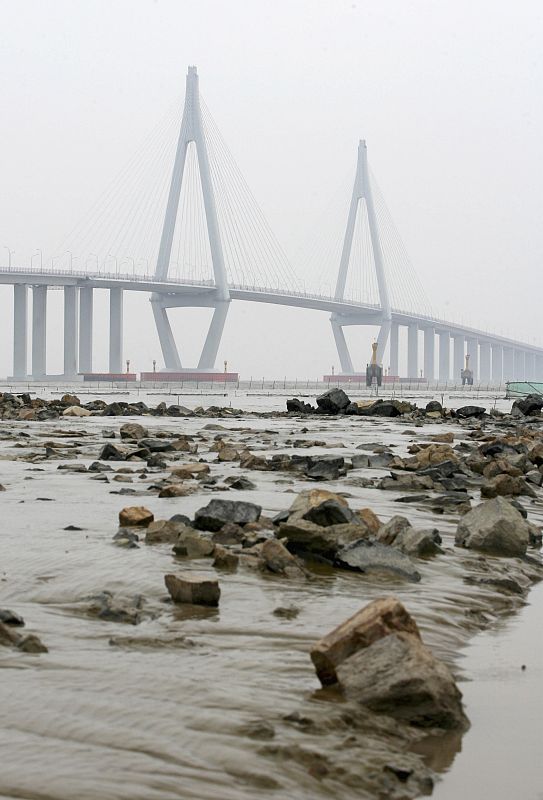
x=447, y=95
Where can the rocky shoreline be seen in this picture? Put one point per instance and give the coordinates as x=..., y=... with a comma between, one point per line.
x=470, y=481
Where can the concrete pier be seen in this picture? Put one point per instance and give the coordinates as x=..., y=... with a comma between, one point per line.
x=444, y=357
x=458, y=358
x=86, y=308
x=473, y=350
x=394, y=359
x=70, y=331
x=429, y=353
x=116, y=331
x=39, y=331
x=20, y=330
x=497, y=363
x=413, y=351
x=484, y=366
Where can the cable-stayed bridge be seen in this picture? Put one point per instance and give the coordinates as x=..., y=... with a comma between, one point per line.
x=198, y=239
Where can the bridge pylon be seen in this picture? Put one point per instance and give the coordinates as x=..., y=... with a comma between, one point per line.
x=361, y=191
x=192, y=130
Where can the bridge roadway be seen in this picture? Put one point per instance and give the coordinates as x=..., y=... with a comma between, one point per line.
x=493, y=357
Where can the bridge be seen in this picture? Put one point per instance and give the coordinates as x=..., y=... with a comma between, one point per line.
x=216, y=261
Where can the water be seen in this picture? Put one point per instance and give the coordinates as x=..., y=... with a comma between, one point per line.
x=120, y=711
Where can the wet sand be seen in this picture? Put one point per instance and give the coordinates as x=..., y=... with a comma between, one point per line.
x=177, y=706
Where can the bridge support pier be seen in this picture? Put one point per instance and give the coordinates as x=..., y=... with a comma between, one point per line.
x=485, y=361
x=116, y=331
x=444, y=357
x=530, y=367
x=394, y=361
x=213, y=338
x=473, y=350
x=20, y=330
x=497, y=364
x=519, y=365
x=508, y=364
x=539, y=368
x=86, y=304
x=458, y=358
x=342, y=349
x=413, y=351
x=70, y=332
x=39, y=331
x=429, y=353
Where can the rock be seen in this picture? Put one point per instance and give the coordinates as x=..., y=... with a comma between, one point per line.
x=433, y=405
x=367, y=555
x=286, y=612
x=415, y=542
x=192, y=544
x=133, y=430
x=241, y=484
x=334, y=401
x=325, y=468
x=176, y=490
x=191, y=470
x=70, y=400
x=536, y=455
x=228, y=453
x=494, y=527
x=218, y=512
x=296, y=406
x=111, y=453
x=468, y=412
x=76, y=411
x=274, y=557
x=31, y=644
x=443, y=438
x=306, y=538
x=387, y=533
x=311, y=498
x=378, y=619
x=189, y=587
x=126, y=538
x=330, y=512
x=400, y=677
x=530, y=405
x=107, y=607
x=11, y=618
x=163, y=531
x=379, y=660
x=229, y=534
x=135, y=516
x=370, y=519
x=504, y=484
x=224, y=559
x=404, y=483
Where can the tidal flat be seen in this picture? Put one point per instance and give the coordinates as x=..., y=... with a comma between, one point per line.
x=138, y=697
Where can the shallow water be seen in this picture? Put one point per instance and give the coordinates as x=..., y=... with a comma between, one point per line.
x=92, y=719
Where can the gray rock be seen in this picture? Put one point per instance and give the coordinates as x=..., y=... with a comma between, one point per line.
x=419, y=542
x=467, y=412
x=133, y=430
x=218, y=512
x=330, y=512
x=334, y=401
x=372, y=556
x=307, y=538
x=11, y=618
x=494, y=527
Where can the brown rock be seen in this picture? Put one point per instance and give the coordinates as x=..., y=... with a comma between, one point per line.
x=192, y=544
x=274, y=557
x=163, y=531
x=224, y=559
x=370, y=518
x=176, y=490
x=305, y=536
x=135, y=516
x=191, y=470
x=499, y=467
x=189, y=587
x=228, y=453
x=504, y=485
x=445, y=438
x=376, y=620
x=133, y=430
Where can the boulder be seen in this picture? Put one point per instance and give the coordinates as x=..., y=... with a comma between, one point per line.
x=433, y=406
x=295, y=406
x=494, y=527
x=163, y=531
x=176, y=490
x=418, y=542
x=132, y=516
x=70, y=400
x=334, y=401
x=188, y=587
x=241, y=484
x=133, y=430
x=504, y=485
x=192, y=544
x=76, y=411
x=379, y=660
x=379, y=618
x=275, y=558
x=330, y=512
x=195, y=470
x=468, y=412
x=311, y=498
x=9, y=617
x=218, y=512
x=228, y=453
x=224, y=559
x=530, y=405
x=325, y=468
x=367, y=555
x=388, y=532
x=111, y=453
x=307, y=538
x=370, y=519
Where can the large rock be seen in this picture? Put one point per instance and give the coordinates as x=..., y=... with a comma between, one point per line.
x=376, y=620
x=367, y=555
x=192, y=544
x=325, y=468
x=311, y=498
x=218, y=512
x=194, y=589
x=133, y=430
x=379, y=660
x=295, y=406
x=504, y=485
x=307, y=538
x=275, y=558
x=529, y=406
x=330, y=512
x=163, y=531
x=334, y=401
x=467, y=412
x=76, y=411
x=494, y=527
x=135, y=516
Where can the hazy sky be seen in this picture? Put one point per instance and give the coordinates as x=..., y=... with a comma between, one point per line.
x=447, y=95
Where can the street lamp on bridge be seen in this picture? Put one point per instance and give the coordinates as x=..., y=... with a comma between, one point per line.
x=10, y=253
x=38, y=252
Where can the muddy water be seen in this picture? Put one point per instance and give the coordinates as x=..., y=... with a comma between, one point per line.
x=175, y=707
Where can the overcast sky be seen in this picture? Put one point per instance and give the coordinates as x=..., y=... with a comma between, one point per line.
x=447, y=95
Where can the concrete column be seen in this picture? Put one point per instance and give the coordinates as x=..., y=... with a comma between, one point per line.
x=458, y=359
x=394, y=361
x=508, y=364
x=444, y=357
x=413, y=351
x=39, y=328
x=20, y=328
x=497, y=364
x=116, y=330
x=485, y=362
x=519, y=369
x=86, y=302
x=538, y=368
x=429, y=353
x=473, y=350
x=70, y=331
x=530, y=367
